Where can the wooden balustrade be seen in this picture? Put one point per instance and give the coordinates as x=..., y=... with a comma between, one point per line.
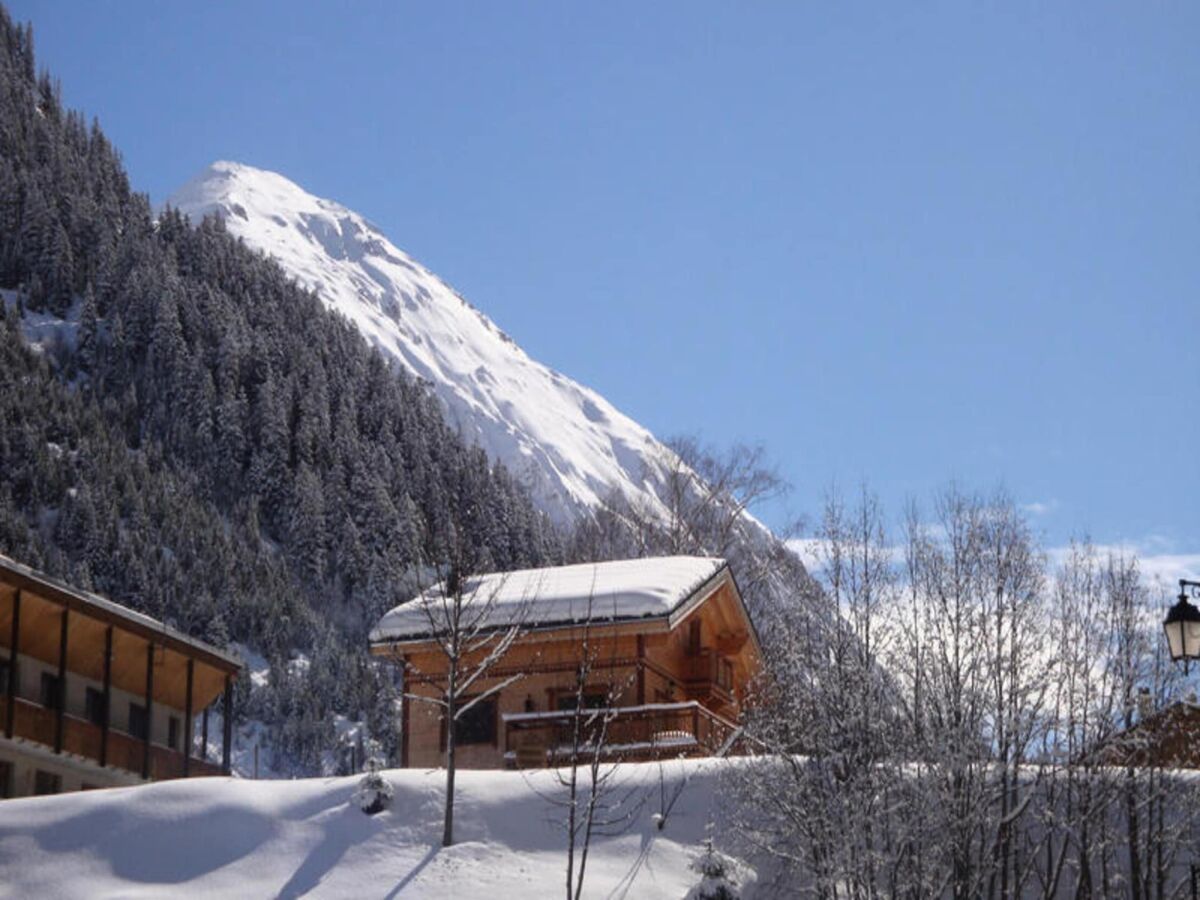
x=37, y=723
x=651, y=731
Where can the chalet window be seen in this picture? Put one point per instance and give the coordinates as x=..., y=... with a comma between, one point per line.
x=137, y=721
x=478, y=724
x=46, y=783
x=173, y=733
x=4, y=669
x=6, y=776
x=591, y=700
x=725, y=674
x=694, y=637
x=93, y=706
x=50, y=697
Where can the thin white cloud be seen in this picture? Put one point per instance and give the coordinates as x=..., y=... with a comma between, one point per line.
x=1160, y=566
x=1040, y=507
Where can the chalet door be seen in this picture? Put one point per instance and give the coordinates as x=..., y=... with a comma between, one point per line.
x=6, y=779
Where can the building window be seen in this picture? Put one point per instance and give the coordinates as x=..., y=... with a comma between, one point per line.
x=6, y=777
x=694, y=637
x=93, y=705
x=46, y=783
x=4, y=669
x=137, y=721
x=173, y=733
x=724, y=674
x=50, y=697
x=591, y=700
x=478, y=724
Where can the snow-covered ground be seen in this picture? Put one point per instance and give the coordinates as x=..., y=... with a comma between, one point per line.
x=240, y=838
x=570, y=445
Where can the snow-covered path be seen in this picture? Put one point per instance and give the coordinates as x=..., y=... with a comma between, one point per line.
x=237, y=838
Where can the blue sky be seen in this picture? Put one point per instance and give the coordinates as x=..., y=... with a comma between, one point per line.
x=907, y=245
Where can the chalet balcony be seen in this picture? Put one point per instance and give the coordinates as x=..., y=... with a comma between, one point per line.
x=709, y=677
x=81, y=738
x=637, y=733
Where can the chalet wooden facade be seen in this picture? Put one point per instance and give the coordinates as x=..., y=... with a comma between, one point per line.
x=93, y=694
x=1167, y=738
x=673, y=652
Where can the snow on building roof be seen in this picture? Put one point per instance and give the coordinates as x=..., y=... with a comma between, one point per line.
x=618, y=590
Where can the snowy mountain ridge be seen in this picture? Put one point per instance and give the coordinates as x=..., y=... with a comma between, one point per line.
x=566, y=442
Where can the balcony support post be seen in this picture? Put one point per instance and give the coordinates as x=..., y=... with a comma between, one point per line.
x=641, y=669
x=14, y=665
x=227, y=738
x=204, y=735
x=149, y=709
x=187, y=720
x=107, y=712
x=405, y=706
x=61, y=688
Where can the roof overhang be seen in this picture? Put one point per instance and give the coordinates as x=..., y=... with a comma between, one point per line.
x=94, y=606
x=596, y=627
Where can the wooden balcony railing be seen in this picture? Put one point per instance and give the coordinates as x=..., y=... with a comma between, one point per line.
x=37, y=723
x=651, y=731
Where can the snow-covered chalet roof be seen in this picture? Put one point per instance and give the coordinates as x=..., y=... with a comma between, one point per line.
x=619, y=590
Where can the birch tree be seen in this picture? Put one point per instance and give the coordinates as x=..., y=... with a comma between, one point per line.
x=472, y=631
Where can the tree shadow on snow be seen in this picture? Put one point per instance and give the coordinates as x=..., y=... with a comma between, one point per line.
x=347, y=828
x=411, y=876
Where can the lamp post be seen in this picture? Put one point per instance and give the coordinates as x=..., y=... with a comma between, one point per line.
x=1182, y=625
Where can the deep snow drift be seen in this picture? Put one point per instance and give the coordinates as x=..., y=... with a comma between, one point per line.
x=236, y=838
x=565, y=441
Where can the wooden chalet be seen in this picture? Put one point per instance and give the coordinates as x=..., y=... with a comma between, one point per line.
x=93, y=694
x=1167, y=738
x=672, y=647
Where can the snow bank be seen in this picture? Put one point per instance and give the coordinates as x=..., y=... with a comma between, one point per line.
x=234, y=838
x=622, y=589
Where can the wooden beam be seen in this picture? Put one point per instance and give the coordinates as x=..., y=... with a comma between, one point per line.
x=107, y=717
x=405, y=705
x=204, y=737
x=187, y=720
x=227, y=738
x=149, y=709
x=61, y=687
x=14, y=664
x=641, y=669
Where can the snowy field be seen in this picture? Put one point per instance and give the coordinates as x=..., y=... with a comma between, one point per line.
x=239, y=838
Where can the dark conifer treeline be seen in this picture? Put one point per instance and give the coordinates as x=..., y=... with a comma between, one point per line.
x=207, y=442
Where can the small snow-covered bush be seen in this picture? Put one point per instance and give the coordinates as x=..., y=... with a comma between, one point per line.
x=718, y=876
x=373, y=793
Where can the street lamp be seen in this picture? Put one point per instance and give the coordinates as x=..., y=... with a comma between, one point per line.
x=1182, y=625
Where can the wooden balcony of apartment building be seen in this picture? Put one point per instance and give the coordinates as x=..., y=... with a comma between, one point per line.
x=636, y=733
x=82, y=738
x=73, y=635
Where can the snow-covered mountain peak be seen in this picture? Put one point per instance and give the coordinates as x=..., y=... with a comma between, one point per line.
x=564, y=440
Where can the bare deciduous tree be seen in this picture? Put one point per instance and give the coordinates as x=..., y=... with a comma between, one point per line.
x=472, y=631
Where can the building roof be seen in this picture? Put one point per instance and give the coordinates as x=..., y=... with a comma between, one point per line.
x=89, y=604
x=620, y=590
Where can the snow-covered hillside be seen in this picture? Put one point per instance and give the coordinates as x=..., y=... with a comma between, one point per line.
x=233, y=838
x=569, y=444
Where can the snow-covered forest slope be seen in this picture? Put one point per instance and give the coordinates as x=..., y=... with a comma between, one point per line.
x=567, y=443
x=233, y=838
